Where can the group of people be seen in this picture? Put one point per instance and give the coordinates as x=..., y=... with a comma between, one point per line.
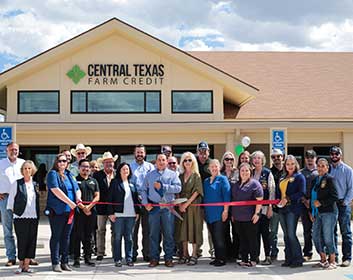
x=171, y=202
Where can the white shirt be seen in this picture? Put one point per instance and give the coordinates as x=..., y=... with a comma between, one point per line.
x=10, y=172
x=129, y=210
x=30, y=210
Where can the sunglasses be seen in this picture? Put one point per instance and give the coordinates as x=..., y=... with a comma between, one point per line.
x=80, y=153
x=62, y=160
x=172, y=163
x=309, y=157
x=188, y=160
x=278, y=156
x=334, y=154
x=229, y=159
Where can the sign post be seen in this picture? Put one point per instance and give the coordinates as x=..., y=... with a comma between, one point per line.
x=7, y=135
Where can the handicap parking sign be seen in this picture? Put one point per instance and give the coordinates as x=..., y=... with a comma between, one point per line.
x=6, y=137
x=278, y=139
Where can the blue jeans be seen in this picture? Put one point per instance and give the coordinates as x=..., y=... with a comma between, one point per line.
x=7, y=221
x=161, y=220
x=323, y=232
x=292, y=249
x=60, y=238
x=123, y=226
x=274, y=222
x=344, y=220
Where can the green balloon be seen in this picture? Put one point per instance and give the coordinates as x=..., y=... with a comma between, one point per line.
x=239, y=149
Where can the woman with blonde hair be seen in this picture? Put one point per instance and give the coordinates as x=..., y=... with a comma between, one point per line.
x=265, y=178
x=190, y=229
x=24, y=202
x=216, y=189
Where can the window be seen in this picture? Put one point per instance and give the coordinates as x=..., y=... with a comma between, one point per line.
x=38, y=102
x=192, y=101
x=115, y=101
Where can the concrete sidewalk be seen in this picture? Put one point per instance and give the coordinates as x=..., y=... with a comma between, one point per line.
x=106, y=269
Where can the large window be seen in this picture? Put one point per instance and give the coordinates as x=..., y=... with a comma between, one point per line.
x=38, y=102
x=115, y=101
x=192, y=101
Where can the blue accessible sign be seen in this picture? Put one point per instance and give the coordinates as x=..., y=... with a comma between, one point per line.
x=6, y=137
x=278, y=139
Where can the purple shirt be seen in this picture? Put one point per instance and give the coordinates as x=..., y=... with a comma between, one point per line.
x=250, y=191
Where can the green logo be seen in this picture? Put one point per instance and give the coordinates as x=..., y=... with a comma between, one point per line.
x=76, y=74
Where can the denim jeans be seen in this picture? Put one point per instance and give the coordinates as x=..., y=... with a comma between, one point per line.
x=161, y=220
x=307, y=230
x=217, y=233
x=292, y=249
x=60, y=238
x=323, y=232
x=123, y=227
x=344, y=221
x=7, y=220
x=274, y=222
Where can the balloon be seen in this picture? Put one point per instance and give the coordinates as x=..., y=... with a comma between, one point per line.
x=245, y=141
x=239, y=149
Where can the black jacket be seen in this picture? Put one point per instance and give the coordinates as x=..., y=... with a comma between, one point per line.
x=326, y=193
x=20, y=200
x=117, y=195
x=101, y=178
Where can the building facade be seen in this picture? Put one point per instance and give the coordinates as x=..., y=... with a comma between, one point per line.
x=115, y=86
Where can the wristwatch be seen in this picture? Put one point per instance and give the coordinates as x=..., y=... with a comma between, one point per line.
x=259, y=214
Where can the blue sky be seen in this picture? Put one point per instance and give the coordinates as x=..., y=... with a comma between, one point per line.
x=30, y=27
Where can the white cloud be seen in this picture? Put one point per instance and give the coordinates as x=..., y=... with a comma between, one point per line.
x=337, y=36
x=30, y=27
x=197, y=45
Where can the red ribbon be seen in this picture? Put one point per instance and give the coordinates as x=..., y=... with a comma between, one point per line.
x=232, y=203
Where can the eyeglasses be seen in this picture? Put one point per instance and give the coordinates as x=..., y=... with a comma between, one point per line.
x=62, y=160
x=188, y=160
x=229, y=159
x=172, y=163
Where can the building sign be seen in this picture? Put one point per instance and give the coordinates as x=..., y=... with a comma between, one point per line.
x=6, y=137
x=119, y=74
x=279, y=139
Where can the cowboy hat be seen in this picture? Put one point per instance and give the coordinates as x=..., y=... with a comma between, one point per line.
x=81, y=147
x=107, y=155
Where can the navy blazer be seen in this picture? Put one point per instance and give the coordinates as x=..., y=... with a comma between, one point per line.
x=296, y=189
x=20, y=200
x=116, y=195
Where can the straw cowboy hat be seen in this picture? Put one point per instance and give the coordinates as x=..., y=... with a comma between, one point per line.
x=107, y=155
x=80, y=147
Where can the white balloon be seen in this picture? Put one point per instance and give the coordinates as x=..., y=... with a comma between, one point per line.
x=245, y=141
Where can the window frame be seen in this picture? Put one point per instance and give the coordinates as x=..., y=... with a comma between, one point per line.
x=108, y=112
x=191, y=91
x=35, y=113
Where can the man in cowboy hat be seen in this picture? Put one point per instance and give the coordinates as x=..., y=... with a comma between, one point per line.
x=104, y=177
x=80, y=152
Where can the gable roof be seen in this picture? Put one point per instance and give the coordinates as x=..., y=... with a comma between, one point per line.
x=235, y=90
x=294, y=85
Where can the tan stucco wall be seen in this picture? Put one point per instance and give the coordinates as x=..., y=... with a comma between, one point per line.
x=114, y=49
